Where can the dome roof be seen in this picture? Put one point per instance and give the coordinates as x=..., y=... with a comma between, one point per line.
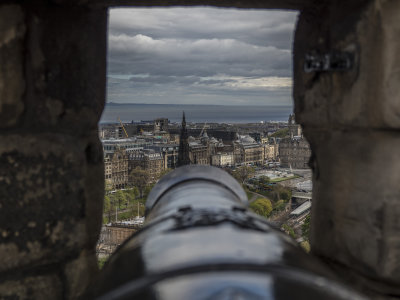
x=247, y=139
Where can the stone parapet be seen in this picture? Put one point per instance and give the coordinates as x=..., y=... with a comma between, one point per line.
x=52, y=91
x=355, y=207
x=366, y=96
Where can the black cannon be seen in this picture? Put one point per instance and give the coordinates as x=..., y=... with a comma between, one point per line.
x=200, y=242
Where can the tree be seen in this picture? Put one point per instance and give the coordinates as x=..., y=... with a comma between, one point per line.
x=131, y=194
x=107, y=207
x=264, y=179
x=136, y=192
x=263, y=182
x=121, y=198
x=306, y=246
x=280, y=205
x=289, y=230
x=281, y=133
x=243, y=173
x=137, y=208
x=285, y=194
x=262, y=207
x=305, y=228
x=140, y=179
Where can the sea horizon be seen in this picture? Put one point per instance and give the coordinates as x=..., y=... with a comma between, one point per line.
x=196, y=113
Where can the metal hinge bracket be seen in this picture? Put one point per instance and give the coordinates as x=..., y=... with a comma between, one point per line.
x=330, y=62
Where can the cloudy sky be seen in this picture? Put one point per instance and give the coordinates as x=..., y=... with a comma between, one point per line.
x=200, y=56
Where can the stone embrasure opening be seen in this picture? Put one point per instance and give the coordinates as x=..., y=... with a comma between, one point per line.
x=52, y=92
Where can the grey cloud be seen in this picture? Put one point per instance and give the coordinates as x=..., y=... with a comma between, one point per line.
x=179, y=50
x=214, y=81
x=165, y=79
x=207, y=61
x=153, y=79
x=203, y=22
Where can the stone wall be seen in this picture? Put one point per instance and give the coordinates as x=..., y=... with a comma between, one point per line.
x=52, y=87
x=351, y=120
x=52, y=90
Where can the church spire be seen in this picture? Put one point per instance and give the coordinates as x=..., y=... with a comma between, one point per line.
x=183, y=154
x=183, y=120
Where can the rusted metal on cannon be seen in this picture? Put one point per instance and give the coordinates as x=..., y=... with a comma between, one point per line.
x=200, y=242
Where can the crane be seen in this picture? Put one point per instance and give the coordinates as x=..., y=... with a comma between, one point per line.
x=123, y=127
x=204, y=127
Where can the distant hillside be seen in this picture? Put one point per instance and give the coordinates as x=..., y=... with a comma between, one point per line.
x=281, y=133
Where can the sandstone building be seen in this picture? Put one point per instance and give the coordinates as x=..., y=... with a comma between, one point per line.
x=222, y=159
x=116, y=169
x=271, y=149
x=160, y=125
x=148, y=160
x=294, y=151
x=169, y=153
x=199, y=154
x=247, y=151
x=130, y=145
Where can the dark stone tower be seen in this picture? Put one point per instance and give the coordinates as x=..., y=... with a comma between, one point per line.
x=183, y=155
x=294, y=128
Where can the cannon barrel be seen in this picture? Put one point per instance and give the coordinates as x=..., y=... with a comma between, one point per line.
x=200, y=242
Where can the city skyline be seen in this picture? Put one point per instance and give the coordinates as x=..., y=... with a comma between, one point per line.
x=200, y=56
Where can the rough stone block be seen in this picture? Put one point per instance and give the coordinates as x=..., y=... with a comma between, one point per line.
x=356, y=207
x=43, y=213
x=389, y=14
x=79, y=274
x=367, y=96
x=12, y=83
x=67, y=68
x=48, y=287
x=94, y=189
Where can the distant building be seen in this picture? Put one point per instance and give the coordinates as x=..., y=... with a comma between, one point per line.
x=227, y=136
x=170, y=156
x=294, y=128
x=222, y=159
x=115, y=130
x=294, y=151
x=148, y=160
x=161, y=125
x=108, y=173
x=214, y=145
x=199, y=154
x=116, y=169
x=169, y=153
x=248, y=151
x=130, y=145
x=174, y=139
x=264, y=140
x=183, y=154
x=253, y=154
x=271, y=150
x=256, y=136
x=109, y=131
